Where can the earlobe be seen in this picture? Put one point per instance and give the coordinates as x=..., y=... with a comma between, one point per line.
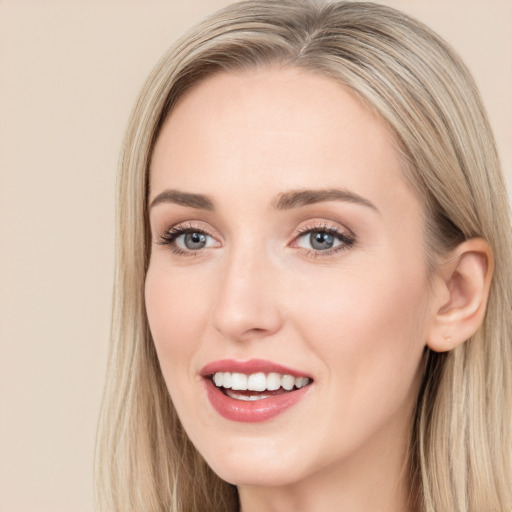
x=461, y=294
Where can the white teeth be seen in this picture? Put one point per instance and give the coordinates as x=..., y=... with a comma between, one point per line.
x=257, y=382
x=218, y=378
x=245, y=398
x=288, y=382
x=228, y=381
x=301, y=382
x=273, y=381
x=239, y=381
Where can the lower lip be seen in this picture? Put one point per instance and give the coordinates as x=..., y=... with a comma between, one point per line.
x=252, y=411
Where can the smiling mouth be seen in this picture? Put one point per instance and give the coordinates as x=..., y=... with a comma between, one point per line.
x=257, y=386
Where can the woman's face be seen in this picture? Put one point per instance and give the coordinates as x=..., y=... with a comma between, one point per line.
x=287, y=252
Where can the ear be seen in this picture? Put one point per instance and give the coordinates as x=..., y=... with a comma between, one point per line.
x=461, y=294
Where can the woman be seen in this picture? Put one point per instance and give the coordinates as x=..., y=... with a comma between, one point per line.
x=312, y=305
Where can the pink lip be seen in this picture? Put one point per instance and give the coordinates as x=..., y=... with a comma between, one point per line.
x=253, y=411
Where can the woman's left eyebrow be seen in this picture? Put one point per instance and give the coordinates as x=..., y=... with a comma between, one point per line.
x=298, y=198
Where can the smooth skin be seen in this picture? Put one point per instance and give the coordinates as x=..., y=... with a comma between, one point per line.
x=355, y=313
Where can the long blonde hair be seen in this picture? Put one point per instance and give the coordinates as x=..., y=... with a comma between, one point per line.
x=460, y=441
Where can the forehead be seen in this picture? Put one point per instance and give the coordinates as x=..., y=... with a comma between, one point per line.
x=273, y=129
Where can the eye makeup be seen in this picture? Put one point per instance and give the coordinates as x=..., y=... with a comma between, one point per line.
x=185, y=239
x=318, y=239
x=322, y=240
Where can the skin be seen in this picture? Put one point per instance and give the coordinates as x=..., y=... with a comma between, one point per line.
x=356, y=320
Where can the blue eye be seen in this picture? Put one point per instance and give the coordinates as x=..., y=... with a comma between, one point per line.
x=187, y=240
x=321, y=241
x=191, y=241
x=325, y=240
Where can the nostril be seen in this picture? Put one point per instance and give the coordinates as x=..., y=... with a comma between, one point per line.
x=241, y=320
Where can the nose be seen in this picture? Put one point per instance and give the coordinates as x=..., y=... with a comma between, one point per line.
x=247, y=301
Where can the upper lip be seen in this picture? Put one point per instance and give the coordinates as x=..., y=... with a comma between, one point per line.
x=249, y=367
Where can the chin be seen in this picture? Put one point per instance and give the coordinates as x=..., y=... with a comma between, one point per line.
x=267, y=475
x=264, y=466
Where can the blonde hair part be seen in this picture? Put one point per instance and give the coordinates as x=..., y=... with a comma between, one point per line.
x=406, y=74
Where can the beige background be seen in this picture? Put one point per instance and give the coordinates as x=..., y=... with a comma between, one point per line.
x=69, y=72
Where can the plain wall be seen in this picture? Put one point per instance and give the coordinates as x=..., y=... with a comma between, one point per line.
x=69, y=73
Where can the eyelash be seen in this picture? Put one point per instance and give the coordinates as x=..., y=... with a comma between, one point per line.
x=170, y=236
x=347, y=240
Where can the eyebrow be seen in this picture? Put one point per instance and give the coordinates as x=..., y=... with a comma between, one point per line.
x=198, y=201
x=298, y=198
x=284, y=201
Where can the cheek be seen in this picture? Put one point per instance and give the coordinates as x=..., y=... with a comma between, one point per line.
x=175, y=313
x=174, y=309
x=370, y=335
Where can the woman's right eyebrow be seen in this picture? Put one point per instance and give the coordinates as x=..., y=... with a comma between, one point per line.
x=199, y=201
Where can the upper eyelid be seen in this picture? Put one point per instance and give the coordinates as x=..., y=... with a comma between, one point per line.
x=302, y=229
x=323, y=227
x=344, y=236
x=327, y=226
x=182, y=229
x=188, y=226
